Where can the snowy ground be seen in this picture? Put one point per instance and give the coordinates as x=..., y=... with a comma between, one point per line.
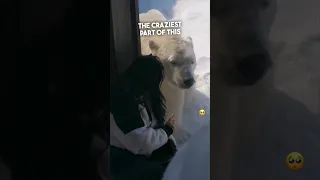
x=195, y=17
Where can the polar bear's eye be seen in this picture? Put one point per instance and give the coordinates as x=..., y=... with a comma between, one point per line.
x=173, y=63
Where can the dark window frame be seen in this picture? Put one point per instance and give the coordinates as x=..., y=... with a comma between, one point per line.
x=125, y=39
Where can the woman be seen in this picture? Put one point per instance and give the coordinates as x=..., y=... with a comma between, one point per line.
x=141, y=141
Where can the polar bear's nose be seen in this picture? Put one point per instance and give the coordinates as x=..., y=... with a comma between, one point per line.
x=189, y=82
x=254, y=67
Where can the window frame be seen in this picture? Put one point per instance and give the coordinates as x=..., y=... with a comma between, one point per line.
x=125, y=39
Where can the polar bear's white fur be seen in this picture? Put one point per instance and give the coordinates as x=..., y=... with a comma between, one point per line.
x=178, y=57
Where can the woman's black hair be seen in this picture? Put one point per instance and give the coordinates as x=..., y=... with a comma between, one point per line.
x=145, y=76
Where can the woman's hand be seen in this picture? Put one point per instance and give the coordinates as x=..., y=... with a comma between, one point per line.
x=171, y=121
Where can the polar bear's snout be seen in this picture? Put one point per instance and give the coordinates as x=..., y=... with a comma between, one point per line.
x=188, y=79
x=189, y=82
x=185, y=78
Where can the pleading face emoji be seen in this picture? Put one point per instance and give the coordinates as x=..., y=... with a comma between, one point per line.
x=295, y=161
x=202, y=112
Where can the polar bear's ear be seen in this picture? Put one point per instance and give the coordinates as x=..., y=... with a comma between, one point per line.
x=153, y=45
x=189, y=40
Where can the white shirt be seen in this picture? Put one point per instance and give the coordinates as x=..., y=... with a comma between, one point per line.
x=143, y=140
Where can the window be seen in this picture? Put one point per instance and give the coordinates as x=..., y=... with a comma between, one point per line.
x=166, y=24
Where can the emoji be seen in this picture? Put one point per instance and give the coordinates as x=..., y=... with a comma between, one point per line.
x=202, y=112
x=295, y=161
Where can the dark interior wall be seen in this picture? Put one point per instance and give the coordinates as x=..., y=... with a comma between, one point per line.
x=52, y=74
x=24, y=24
x=112, y=59
x=4, y=171
x=45, y=52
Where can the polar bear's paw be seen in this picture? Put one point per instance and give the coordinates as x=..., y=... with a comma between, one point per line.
x=181, y=136
x=182, y=140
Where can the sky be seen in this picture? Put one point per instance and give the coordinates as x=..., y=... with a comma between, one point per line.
x=164, y=6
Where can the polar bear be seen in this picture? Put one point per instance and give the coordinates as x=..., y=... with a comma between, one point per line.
x=179, y=60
